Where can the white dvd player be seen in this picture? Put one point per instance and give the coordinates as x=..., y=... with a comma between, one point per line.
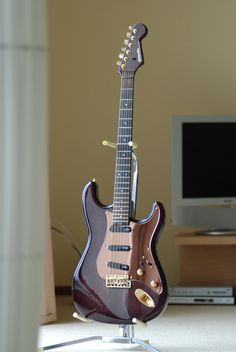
x=201, y=300
x=215, y=291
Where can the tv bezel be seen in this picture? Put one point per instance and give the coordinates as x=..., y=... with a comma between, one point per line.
x=177, y=161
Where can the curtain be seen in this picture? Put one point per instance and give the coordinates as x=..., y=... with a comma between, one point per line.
x=24, y=170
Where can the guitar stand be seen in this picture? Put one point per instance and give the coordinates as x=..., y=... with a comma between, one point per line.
x=126, y=332
x=126, y=336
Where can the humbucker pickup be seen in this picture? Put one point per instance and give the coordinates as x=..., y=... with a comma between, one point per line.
x=118, y=281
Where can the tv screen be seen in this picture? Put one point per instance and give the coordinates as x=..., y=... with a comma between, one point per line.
x=209, y=159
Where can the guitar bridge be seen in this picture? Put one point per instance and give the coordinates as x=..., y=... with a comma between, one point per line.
x=118, y=281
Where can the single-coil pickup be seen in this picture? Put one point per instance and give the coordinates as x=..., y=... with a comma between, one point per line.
x=119, y=248
x=118, y=281
x=120, y=228
x=118, y=266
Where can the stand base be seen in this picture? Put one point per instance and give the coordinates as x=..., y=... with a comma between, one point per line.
x=126, y=336
x=109, y=339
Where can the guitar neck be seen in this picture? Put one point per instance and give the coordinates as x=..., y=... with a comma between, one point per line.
x=122, y=187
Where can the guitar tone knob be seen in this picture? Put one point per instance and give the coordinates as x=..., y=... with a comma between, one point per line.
x=154, y=283
x=140, y=272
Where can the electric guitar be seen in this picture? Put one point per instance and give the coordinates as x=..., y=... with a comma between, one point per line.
x=119, y=279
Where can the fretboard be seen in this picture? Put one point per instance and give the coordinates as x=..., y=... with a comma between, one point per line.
x=122, y=188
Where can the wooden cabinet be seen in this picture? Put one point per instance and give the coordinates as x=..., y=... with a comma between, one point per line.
x=207, y=260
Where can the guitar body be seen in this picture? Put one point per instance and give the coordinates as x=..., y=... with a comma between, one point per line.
x=119, y=276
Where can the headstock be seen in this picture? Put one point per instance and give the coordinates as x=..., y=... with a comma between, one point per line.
x=132, y=57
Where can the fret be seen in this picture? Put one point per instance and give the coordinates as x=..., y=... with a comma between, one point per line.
x=124, y=192
x=125, y=126
x=124, y=180
x=120, y=218
x=124, y=135
x=118, y=203
x=123, y=157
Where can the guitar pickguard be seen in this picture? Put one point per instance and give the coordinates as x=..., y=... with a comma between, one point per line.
x=134, y=259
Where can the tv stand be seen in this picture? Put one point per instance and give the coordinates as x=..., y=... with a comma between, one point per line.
x=217, y=232
x=207, y=260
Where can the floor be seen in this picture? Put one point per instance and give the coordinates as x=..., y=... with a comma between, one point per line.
x=179, y=329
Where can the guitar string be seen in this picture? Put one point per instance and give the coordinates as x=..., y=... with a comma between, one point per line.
x=116, y=240
x=123, y=181
x=123, y=166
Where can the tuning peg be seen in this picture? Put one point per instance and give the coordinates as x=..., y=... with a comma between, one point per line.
x=127, y=52
x=126, y=42
x=119, y=63
x=121, y=55
x=128, y=34
x=129, y=45
x=123, y=49
x=130, y=28
x=132, y=37
x=123, y=66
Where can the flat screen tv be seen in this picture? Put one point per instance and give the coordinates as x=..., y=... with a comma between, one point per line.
x=204, y=172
